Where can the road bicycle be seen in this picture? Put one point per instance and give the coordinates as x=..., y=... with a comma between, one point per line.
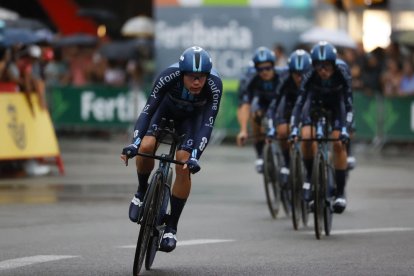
x=155, y=209
x=299, y=207
x=323, y=178
x=276, y=186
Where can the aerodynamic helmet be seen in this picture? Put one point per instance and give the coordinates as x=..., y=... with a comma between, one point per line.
x=196, y=60
x=263, y=54
x=299, y=61
x=323, y=51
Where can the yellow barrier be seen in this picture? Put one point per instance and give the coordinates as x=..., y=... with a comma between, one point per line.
x=26, y=131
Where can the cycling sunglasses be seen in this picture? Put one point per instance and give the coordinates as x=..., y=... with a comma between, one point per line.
x=264, y=68
x=323, y=65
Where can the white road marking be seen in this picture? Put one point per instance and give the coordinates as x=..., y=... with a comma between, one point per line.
x=15, y=263
x=368, y=230
x=372, y=230
x=189, y=242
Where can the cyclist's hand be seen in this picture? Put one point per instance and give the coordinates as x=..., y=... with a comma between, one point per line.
x=344, y=136
x=241, y=138
x=128, y=152
x=293, y=134
x=192, y=164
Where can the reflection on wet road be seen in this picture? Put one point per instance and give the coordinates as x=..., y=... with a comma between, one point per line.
x=47, y=194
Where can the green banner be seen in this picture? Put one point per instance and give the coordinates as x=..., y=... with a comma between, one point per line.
x=365, y=116
x=398, y=119
x=92, y=106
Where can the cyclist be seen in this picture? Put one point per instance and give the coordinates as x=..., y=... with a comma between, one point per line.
x=188, y=92
x=328, y=86
x=280, y=109
x=257, y=89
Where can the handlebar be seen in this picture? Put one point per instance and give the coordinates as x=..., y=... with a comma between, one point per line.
x=161, y=158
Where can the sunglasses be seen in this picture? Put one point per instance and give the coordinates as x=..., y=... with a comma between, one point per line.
x=323, y=65
x=264, y=68
x=194, y=77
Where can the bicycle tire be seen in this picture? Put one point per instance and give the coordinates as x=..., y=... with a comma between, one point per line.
x=270, y=178
x=295, y=187
x=305, y=209
x=155, y=239
x=318, y=185
x=328, y=212
x=147, y=223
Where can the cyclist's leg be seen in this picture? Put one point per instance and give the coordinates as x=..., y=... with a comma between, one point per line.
x=144, y=167
x=340, y=164
x=282, y=135
x=257, y=113
x=308, y=152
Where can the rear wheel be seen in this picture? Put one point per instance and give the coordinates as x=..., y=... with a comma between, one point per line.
x=147, y=222
x=318, y=184
x=270, y=175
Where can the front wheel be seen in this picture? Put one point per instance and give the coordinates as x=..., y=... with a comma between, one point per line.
x=295, y=183
x=147, y=223
x=270, y=176
x=319, y=184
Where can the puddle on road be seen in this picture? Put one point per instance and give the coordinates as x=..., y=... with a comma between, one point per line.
x=51, y=194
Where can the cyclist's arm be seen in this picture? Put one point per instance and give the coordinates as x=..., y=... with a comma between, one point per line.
x=209, y=115
x=159, y=90
x=300, y=101
x=347, y=96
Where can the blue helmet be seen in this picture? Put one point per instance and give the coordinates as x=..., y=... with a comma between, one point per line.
x=263, y=54
x=299, y=61
x=323, y=51
x=195, y=59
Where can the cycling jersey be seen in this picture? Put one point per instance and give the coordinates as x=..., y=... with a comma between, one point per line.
x=334, y=94
x=194, y=115
x=258, y=92
x=280, y=108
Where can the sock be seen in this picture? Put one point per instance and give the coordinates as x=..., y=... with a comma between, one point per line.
x=340, y=182
x=286, y=156
x=142, y=182
x=177, y=206
x=349, y=149
x=309, y=166
x=259, y=148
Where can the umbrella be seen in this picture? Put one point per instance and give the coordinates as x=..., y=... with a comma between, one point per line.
x=26, y=23
x=97, y=14
x=13, y=36
x=8, y=14
x=138, y=26
x=338, y=38
x=79, y=39
x=119, y=50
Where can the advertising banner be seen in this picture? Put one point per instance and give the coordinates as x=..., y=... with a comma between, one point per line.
x=98, y=107
x=26, y=131
x=230, y=34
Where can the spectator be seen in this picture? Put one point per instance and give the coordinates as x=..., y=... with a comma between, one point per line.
x=391, y=78
x=115, y=74
x=9, y=73
x=371, y=75
x=280, y=53
x=407, y=81
x=55, y=70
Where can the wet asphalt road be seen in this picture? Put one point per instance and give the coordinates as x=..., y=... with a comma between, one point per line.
x=77, y=224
